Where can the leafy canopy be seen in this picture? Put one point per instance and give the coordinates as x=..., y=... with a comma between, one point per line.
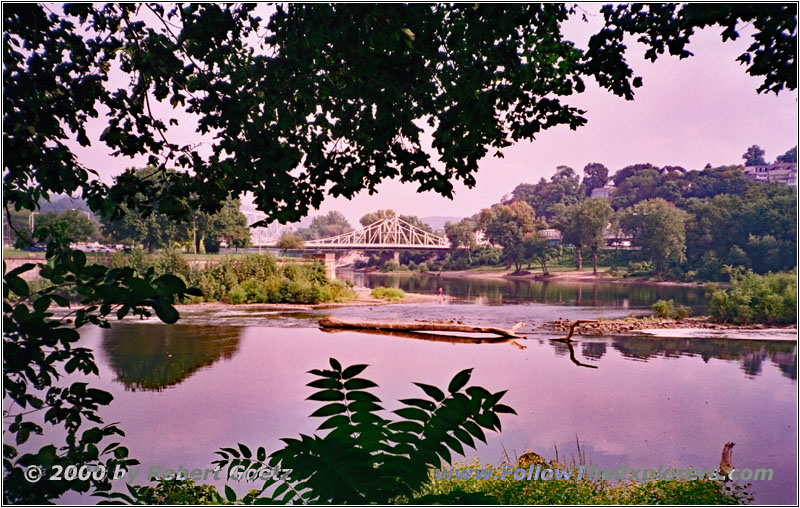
x=298, y=106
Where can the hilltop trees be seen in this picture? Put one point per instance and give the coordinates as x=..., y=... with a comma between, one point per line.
x=754, y=156
x=789, y=156
x=562, y=188
x=595, y=175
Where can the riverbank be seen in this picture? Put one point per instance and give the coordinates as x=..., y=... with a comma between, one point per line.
x=364, y=298
x=583, y=276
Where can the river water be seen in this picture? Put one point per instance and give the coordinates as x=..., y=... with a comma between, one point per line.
x=225, y=377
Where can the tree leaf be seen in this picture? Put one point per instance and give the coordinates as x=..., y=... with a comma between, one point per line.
x=459, y=381
x=353, y=370
x=432, y=392
x=330, y=409
x=358, y=384
x=230, y=495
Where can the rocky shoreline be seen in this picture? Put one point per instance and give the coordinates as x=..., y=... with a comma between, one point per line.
x=633, y=325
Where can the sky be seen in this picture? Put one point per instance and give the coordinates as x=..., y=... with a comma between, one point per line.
x=688, y=113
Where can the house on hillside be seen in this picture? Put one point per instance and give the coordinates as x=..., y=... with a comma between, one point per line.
x=780, y=172
x=603, y=192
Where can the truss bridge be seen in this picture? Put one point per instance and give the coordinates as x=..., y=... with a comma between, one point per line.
x=391, y=233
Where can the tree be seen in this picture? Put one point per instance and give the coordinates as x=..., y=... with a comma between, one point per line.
x=595, y=175
x=325, y=226
x=461, y=235
x=594, y=216
x=230, y=225
x=77, y=226
x=562, y=188
x=507, y=226
x=537, y=247
x=290, y=241
x=658, y=227
x=584, y=225
x=754, y=156
x=789, y=156
x=417, y=223
x=371, y=217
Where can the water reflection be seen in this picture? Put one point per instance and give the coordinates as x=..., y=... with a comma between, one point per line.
x=751, y=353
x=154, y=357
x=499, y=291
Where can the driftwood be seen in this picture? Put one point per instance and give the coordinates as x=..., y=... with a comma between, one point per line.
x=427, y=336
x=419, y=327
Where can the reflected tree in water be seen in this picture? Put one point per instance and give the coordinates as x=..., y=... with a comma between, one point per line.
x=594, y=350
x=152, y=358
x=499, y=291
x=751, y=353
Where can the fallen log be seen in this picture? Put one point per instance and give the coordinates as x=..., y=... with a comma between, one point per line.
x=419, y=327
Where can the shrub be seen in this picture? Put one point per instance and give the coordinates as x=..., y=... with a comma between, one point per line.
x=384, y=458
x=753, y=298
x=639, y=268
x=664, y=309
x=412, y=265
x=422, y=267
x=137, y=259
x=172, y=261
x=258, y=279
x=682, y=312
x=237, y=295
x=388, y=293
x=391, y=266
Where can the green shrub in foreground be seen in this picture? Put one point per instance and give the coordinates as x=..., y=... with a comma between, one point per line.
x=388, y=293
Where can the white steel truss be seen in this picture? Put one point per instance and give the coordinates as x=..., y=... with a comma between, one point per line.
x=390, y=233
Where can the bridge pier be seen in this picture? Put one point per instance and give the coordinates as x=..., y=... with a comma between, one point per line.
x=397, y=257
x=329, y=259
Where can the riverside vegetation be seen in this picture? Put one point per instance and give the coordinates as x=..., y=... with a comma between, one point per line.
x=255, y=278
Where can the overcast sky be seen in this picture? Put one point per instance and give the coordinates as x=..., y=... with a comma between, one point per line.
x=689, y=112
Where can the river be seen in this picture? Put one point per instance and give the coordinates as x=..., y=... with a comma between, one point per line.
x=228, y=376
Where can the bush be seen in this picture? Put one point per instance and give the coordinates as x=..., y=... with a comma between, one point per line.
x=137, y=259
x=422, y=267
x=237, y=295
x=682, y=312
x=639, y=268
x=388, y=293
x=258, y=279
x=664, y=309
x=412, y=265
x=753, y=298
x=172, y=261
x=391, y=266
